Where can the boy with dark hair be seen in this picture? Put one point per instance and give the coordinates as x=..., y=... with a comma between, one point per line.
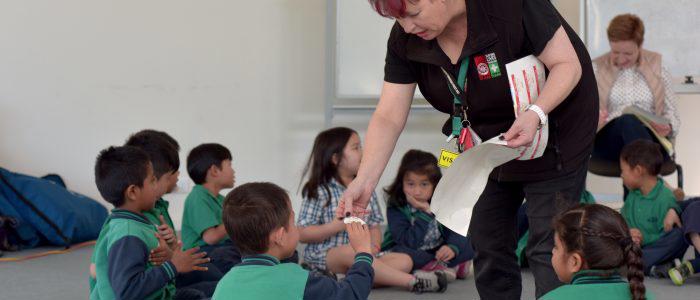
x=124, y=176
x=650, y=208
x=209, y=166
x=165, y=160
x=260, y=218
x=166, y=163
x=164, y=135
x=161, y=148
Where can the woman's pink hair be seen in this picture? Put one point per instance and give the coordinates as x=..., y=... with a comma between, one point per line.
x=390, y=8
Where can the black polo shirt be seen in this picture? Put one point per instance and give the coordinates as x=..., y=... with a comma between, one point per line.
x=508, y=30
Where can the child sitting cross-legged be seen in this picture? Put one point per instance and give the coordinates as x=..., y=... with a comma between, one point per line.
x=125, y=178
x=413, y=229
x=650, y=209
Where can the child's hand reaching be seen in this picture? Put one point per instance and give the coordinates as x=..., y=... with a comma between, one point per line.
x=167, y=233
x=445, y=254
x=637, y=236
x=419, y=205
x=671, y=219
x=359, y=236
x=189, y=260
x=162, y=253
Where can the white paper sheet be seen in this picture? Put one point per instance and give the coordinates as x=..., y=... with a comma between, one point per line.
x=463, y=182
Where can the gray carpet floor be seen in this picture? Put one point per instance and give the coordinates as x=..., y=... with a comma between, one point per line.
x=64, y=276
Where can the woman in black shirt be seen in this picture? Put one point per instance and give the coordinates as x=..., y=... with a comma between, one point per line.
x=435, y=35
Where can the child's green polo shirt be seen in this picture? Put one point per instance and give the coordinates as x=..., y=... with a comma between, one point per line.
x=202, y=211
x=121, y=261
x=594, y=284
x=161, y=208
x=647, y=212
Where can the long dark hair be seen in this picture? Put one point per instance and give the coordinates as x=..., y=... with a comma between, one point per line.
x=603, y=239
x=418, y=162
x=320, y=166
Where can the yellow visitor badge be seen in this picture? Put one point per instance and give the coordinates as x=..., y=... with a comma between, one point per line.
x=446, y=158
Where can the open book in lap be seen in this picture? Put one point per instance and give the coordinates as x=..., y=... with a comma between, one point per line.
x=647, y=118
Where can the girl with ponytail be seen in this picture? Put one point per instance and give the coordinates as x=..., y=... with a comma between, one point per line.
x=592, y=243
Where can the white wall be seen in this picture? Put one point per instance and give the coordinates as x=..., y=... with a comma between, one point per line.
x=79, y=75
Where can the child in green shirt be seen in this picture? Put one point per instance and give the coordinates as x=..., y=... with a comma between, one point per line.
x=260, y=218
x=591, y=243
x=163, y=151
x=650, y=208
x=209, y=166
x=125, y=178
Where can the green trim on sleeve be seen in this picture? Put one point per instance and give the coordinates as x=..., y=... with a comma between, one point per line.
x=364, y=257
x=170, y=270
x=454, y=248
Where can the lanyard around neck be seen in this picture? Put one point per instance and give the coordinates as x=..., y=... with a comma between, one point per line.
x=458, y=89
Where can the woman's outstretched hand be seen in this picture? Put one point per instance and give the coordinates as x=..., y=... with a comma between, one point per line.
x=355, y=199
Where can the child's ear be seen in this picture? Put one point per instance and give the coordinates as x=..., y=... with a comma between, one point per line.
x=639, y=170
x=131, y=192
x=334, y=159
x=213, y=171
x=277, y=236
x=575, y=262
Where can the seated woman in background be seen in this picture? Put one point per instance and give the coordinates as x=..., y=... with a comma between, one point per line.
x=631, y=76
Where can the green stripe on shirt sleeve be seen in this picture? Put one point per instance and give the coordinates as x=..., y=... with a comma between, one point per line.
x=364, y=257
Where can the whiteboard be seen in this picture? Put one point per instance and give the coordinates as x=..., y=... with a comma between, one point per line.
x=671, y=28
x=360, y=48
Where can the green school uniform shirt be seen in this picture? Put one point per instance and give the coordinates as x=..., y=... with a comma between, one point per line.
x=594, y=284
x=202, y=211
x=161, y=208
x=270, y=281
x=120, y=225
x=647, y=212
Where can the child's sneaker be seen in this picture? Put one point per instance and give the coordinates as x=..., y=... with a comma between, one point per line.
x=679, y=274
x=429, y=282
x=662, y=270
x=450, y=274
x=463, y=269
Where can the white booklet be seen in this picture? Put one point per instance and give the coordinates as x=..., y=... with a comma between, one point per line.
x=526, y=77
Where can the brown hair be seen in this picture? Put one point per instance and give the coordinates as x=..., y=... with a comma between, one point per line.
x=643, y=153
x=603, y=239
x=320, y=166
x=418, y=162
x=252, y=211
x=627, y=27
